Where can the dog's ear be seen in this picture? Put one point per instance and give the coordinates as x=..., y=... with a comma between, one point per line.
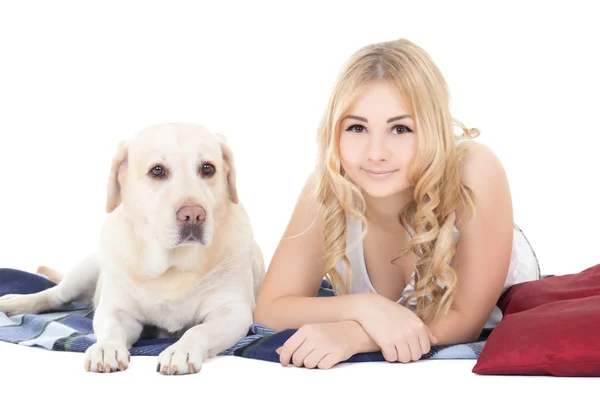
x=230, y=169
x=119, y=163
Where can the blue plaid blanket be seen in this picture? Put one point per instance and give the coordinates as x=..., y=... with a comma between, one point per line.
x=71, y=329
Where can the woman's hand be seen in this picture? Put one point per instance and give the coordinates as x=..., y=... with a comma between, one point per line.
x=325, y=345
x=398, y=332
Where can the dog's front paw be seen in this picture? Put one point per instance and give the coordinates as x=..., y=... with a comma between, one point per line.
x=106, y=357
x=12, y=304
x=180, y=359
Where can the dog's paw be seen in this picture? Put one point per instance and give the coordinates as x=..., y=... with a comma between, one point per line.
x=106, y=357
x=12, y=304
x=180, y=359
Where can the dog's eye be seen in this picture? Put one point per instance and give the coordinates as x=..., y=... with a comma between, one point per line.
x=208, y=169
x=157, y=171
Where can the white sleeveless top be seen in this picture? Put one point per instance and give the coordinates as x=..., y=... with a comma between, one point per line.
x=523, y=266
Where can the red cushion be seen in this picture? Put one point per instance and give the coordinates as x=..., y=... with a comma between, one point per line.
x=550, y=327
x=527, y=295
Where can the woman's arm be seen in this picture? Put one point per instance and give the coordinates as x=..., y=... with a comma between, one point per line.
x=483, y=253
x=287, y=298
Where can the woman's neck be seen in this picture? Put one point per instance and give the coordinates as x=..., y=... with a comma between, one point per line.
x=385, y=211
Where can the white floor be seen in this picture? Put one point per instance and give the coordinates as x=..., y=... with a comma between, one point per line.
x=26, y=372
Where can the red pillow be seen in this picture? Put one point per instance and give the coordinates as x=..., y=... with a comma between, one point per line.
x=550, y=327
x=527, y=295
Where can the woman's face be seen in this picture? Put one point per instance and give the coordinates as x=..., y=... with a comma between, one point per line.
x=378, y=140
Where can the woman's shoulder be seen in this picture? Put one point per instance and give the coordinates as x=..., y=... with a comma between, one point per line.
x=480, y=165
x=481, y=170
x=478, y=155
x=307, y=218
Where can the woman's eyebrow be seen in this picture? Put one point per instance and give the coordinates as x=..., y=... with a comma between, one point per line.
x=399, y=117
x=355, y=117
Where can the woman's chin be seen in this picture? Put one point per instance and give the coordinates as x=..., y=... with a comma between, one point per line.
x=383, y=190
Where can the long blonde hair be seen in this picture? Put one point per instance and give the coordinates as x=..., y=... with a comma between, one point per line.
x=434, y=174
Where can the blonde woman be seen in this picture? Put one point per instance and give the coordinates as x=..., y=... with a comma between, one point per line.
x=410, y=222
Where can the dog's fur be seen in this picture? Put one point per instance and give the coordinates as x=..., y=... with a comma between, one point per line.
x=154, y=271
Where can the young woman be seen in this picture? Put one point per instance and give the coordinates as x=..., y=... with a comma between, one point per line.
x=411, y=223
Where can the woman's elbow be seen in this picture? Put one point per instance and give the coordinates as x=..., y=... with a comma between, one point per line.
x=259, y=315
x=263, y=313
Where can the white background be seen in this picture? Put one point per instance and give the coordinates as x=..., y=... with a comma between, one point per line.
x=76, y=78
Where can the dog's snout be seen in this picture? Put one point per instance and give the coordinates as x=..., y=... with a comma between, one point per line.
x=191, y=215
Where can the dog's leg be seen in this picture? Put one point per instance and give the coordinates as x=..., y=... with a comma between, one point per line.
x=79, y=284
x=223, y=327
x=115, y=333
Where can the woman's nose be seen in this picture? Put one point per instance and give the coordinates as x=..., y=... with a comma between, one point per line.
x=378, y=149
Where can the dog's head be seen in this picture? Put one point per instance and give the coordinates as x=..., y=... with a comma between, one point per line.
x=173, y=180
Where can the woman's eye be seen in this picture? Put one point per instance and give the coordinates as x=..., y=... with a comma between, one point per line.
x=356, y=128
x=401, y=129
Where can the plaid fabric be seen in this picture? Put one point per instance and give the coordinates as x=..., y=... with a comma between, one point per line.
x=71, y=329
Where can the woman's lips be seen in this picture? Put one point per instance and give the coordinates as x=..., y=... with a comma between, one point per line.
x=379, y=174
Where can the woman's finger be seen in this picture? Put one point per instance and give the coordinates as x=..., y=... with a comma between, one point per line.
x=290, y=346
x=328, y=361
x=403, y=352
x=432, y=338
x=389, y=353
x=302, y=352
x=314, y=358
x=424, y=343
x=414, y=348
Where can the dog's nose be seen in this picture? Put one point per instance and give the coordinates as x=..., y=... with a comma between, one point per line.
x=191, y=215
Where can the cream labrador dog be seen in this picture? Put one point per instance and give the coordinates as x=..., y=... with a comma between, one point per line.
x=176, y=254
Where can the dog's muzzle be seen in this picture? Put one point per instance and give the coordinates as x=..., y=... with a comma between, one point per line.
x=190, y=220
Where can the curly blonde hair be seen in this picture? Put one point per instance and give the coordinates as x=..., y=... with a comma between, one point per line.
x=434, y=174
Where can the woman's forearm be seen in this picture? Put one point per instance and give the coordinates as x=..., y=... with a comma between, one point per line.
x=453, y=329
x=361, y=341
x=294, y=312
